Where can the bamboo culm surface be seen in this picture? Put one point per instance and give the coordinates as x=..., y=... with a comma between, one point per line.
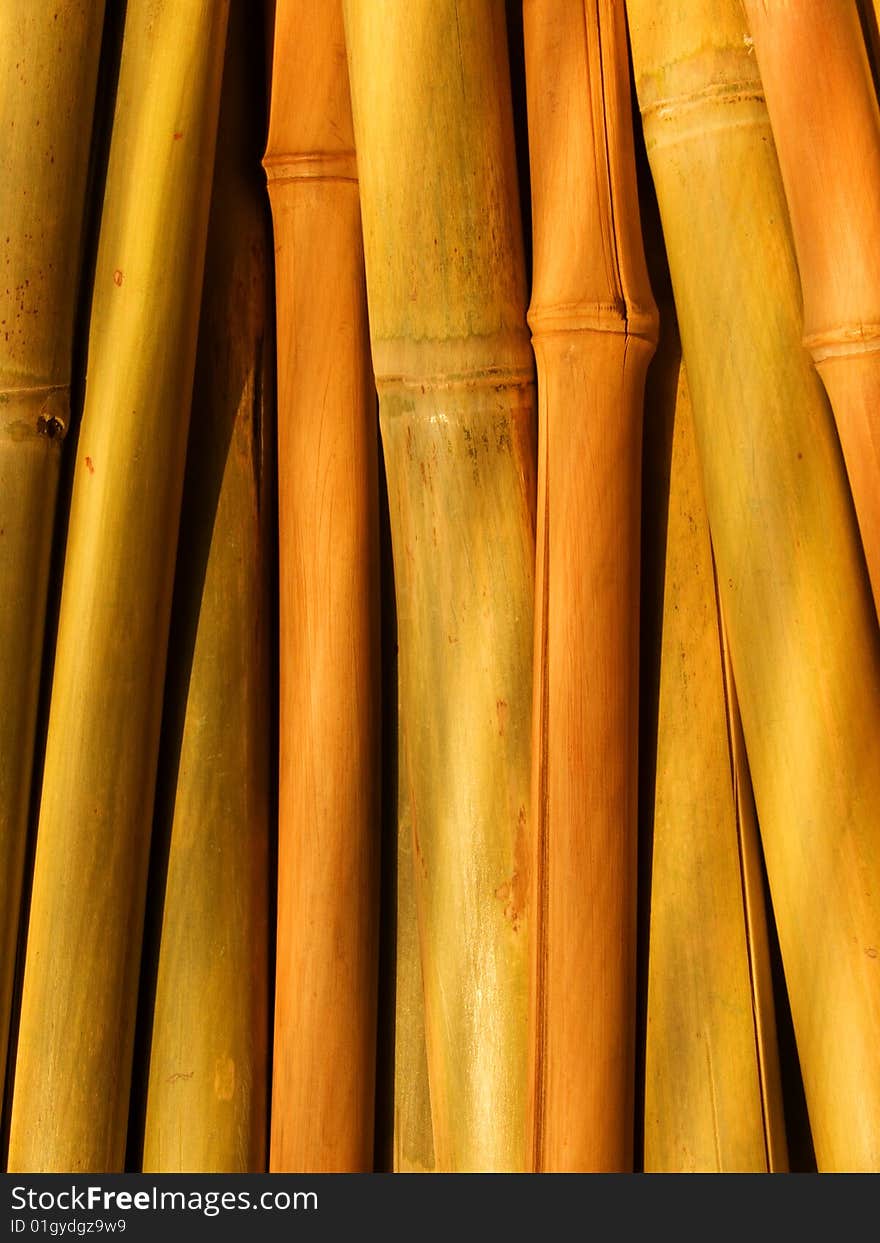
x=327, y=950
x=207, y=1098
x=826, y=126
x=48, y=75
x=797, y=609
x=73, y=1069
x=594, y=327
x=713, y=1099
x=446, y=294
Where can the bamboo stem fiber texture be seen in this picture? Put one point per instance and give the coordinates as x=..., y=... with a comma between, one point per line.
x=327, y=951
x=48, y=73
x=72, y=1074
x=446, y=294
x=803, y=634
x=594, y=328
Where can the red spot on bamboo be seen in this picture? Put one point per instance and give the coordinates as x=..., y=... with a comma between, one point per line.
x=178, y=133
x=90, y=466
x=117, y=277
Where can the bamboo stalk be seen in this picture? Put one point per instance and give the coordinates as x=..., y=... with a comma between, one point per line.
x=48, y=74
x=798, y=612
x=207, y=1096
x=713, y=1098
x=594, y=328
x=413, y=1138
x=445, y=284
x=70, y=1102
x=826, y=127
x=326, y=981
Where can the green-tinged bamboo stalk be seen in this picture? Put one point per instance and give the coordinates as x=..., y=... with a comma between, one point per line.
x=413, y=1138
x=208, y=1087
x=712, y=1094
x=594, y=327
x=797, y=608
x=72, y=1075
x=445, y=285
x=48, y=73
x=826, y=128
x=324, y=1067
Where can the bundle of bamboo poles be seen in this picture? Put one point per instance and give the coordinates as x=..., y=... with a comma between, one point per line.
x=440, y=666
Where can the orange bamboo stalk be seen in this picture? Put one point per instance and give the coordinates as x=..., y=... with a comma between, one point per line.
x=326, y=978
x=826, y=126
x=594, y=329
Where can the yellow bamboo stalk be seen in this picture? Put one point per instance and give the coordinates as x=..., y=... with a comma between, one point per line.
x=826, y=128
x=208, y=1089
x=713, y=1098
x=413, y=1137
x=48, y=72
x=431, y=101
x=594, y=328
x=70, y=1100
x=801, y=625
x=327, y=967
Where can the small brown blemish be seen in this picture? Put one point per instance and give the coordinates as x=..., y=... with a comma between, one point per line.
x=417, y=850
x=181, y=1074
x=514, y=892
x=117, y=277
x=178, y=133
x=501, y=709
x=871, y=951
x=90, y=466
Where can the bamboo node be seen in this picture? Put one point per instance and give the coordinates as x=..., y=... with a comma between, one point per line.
x=53, y=406
x=497, y=378
x=311, y=166
x=612, y=316
x=727, y=96
x=843, y=341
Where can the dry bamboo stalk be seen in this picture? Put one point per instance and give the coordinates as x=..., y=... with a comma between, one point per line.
x=48, y=73
x=798, y=613
x=70, y=1101
x=826, y=127
x=713, y=1097
x=594, y=329
x=208, y=1087
x=326, y=981
x=413, y=1139
x=431, y=99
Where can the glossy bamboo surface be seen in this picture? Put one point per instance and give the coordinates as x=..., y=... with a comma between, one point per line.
x=207, y=1100
x=48, y=73
x=712, y=1089
x=445, y=282
x=797, y=607
x=413, y=1135
x=826, y=128
x=72, y=1074
x=594, y=328
x=327, y=965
